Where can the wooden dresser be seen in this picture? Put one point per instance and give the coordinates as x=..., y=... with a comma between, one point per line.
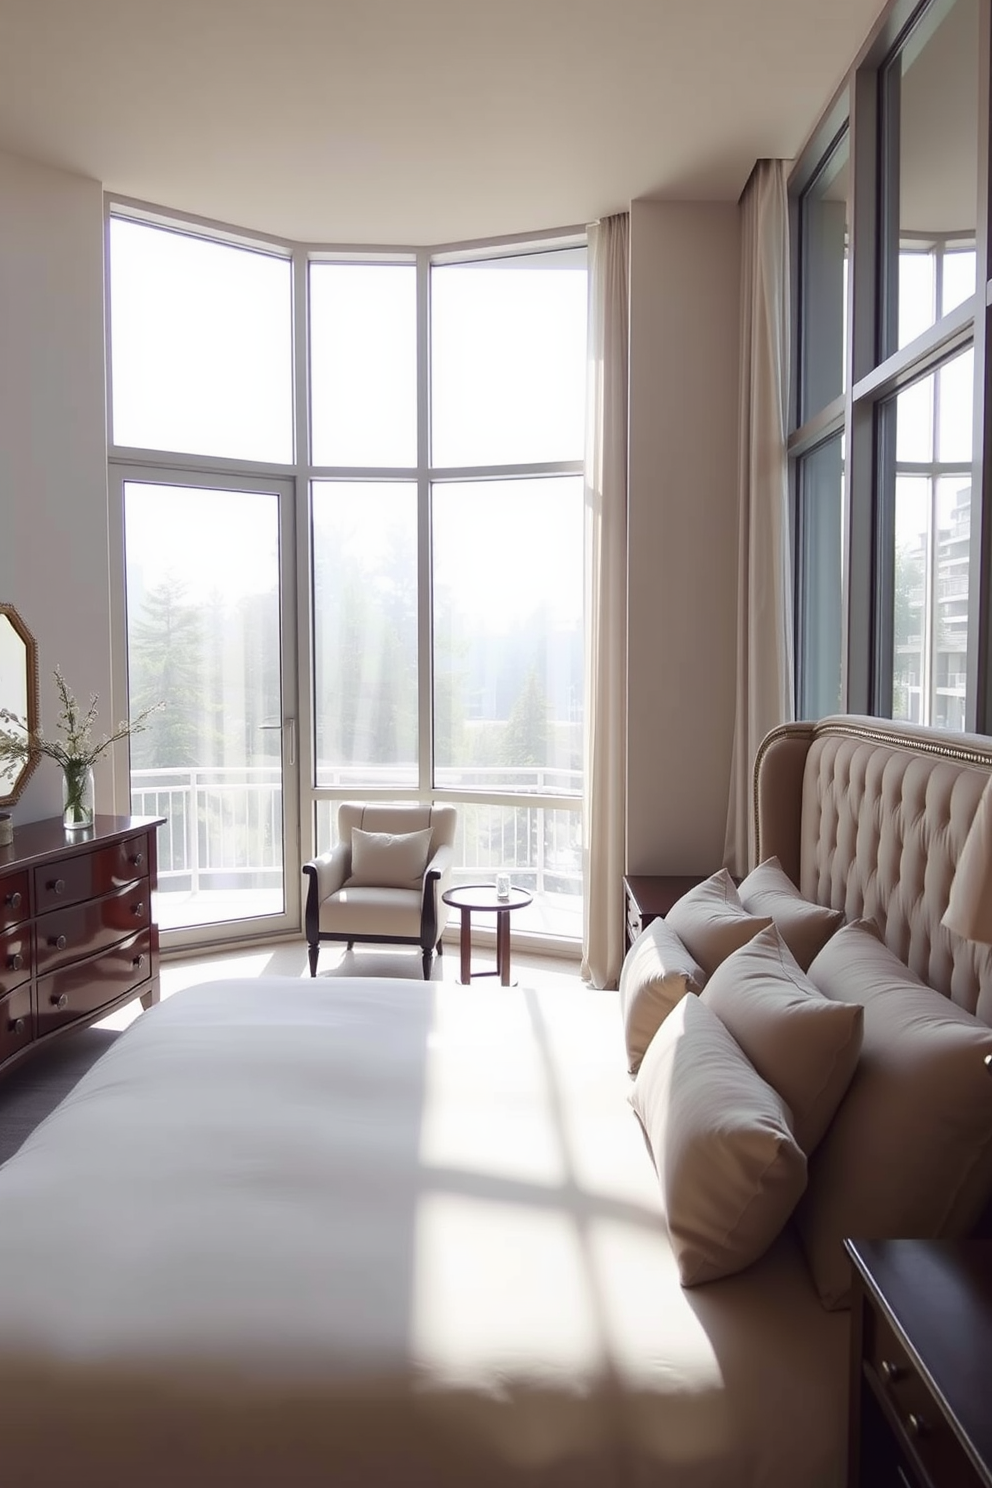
x=77, y=936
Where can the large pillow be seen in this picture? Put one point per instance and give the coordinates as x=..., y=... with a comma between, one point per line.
x=711, y=921
x=729, y=1168
x=803, y=1044
x=387, y=860
x=909, y=1153
x=806, y=927
x=657, y=972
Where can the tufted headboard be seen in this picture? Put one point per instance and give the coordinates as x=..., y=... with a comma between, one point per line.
x=871, y=816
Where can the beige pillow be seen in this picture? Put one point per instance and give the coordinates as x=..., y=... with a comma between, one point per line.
x=711, y=921
x=729, y=1168
x=806, y=927
x=384, y=860
x=802, y=1043
x=909, y=1152
x=656, y=974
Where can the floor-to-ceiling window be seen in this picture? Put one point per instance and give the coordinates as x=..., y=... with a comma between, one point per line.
x=891, y=296
x=351, y=498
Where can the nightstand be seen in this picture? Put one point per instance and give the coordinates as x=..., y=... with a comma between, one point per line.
x=648, y=895
x=921, y=1364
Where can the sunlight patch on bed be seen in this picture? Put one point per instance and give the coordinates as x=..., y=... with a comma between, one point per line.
x=470, y=1255
x=487, y=1105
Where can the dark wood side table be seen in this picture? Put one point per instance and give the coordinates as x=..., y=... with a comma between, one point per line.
x=921, y=1364
x=646, y=896
x=482, y=898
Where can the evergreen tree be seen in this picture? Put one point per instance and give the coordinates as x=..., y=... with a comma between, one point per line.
x=164, y=654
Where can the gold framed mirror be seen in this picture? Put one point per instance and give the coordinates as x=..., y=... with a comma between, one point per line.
x=18, y=693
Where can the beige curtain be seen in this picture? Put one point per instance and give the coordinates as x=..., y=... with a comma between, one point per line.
x=764, y=600
x=606, y=600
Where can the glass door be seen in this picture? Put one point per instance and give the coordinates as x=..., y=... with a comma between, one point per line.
x=210, y=627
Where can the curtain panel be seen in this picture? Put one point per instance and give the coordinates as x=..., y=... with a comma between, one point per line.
x=765, y=687
x=604, y=803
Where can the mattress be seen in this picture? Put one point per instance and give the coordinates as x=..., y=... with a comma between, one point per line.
x=293, y=1232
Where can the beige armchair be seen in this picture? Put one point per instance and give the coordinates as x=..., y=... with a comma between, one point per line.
x=383, y=881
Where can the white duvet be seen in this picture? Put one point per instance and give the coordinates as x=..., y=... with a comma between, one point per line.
x=293, y=1232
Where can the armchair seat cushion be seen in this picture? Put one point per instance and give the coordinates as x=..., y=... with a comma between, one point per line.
x=357, y=912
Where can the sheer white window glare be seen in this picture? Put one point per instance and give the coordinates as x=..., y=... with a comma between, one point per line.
x=507, y=582
x=917, y=293
x=508, y=358
x=363, y=364
x=365, y=633
x=957, y=278
x=203, y=637
x=201, y=345
x=933, y=546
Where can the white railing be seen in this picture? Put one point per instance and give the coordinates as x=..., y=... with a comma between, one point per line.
x=223, y=825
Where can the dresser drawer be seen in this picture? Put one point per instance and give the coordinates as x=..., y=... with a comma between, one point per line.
x=89, y=875
x=83, y=988
x=16, y=1022
x=924, y=1432
x=15, y=958
x=14, y=904
x=64, y=935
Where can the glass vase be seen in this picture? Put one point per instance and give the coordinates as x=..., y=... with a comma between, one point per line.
x=77, y=796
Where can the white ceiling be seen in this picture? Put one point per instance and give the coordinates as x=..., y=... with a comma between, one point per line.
x=418, y=121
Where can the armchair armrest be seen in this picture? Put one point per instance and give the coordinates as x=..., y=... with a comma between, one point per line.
x=438, y=870
x=328, y=872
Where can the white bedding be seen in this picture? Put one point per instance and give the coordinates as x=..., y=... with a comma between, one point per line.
x=292, y=1232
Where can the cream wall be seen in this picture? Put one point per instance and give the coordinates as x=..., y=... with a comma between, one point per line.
x=682, y=532
x=54, y=563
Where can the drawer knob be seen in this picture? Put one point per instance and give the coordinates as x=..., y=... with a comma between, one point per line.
x=916, y=1424
x=139, y=908
x=13, y=901
x=61, y=1001
x=58, y=941
x=57, y=885
x=137, y=960
x=15, y=962
x=137, y=859
x=890, y=1370
x=16, y=1025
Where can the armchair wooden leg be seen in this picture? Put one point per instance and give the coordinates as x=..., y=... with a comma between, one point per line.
x=428, y=960
x=313, y=951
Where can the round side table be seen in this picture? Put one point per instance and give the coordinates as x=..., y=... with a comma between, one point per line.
x=481, y=899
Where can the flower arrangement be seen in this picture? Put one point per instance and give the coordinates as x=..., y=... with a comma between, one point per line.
x=76, y=753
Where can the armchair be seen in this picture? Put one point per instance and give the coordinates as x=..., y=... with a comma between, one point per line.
x=382, y=882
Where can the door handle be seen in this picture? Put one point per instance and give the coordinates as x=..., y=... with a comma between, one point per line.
x=288, y=726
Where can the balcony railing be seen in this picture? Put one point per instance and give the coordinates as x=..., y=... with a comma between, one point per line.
x=223, y=828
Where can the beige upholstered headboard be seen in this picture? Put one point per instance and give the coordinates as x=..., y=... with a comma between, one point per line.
x=870, y=817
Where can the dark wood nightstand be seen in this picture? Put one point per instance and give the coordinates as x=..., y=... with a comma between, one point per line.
x=921, y=1364
x=647, y=895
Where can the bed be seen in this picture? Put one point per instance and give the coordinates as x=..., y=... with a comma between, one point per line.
x=382, y=1232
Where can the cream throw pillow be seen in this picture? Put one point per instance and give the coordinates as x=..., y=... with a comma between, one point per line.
x=802, y=1043
x=386, y=860
x=729, y=1168
x=657, y=972
x=909, y=1153
x=711, y=921
x=806, y=927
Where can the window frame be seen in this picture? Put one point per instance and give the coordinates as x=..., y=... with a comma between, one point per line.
x=301, y=472
x=871, y=380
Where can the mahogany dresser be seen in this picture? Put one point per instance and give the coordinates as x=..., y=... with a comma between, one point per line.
x=77, y=936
